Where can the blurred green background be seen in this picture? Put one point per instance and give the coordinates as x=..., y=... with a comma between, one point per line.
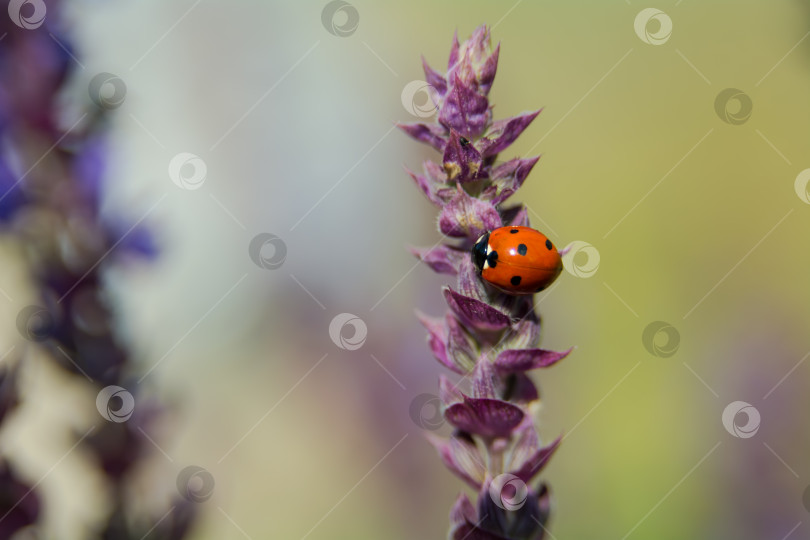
x=697, y=223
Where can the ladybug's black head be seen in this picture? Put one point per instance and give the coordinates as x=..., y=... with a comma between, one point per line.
x=479, y=252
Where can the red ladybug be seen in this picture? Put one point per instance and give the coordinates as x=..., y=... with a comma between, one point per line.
x=517, y=260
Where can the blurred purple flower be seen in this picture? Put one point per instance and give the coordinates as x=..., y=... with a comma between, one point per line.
x=51, y=187
x=19, y=503
x=9, y=397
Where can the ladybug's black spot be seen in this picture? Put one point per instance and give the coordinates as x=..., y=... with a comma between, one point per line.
x=548, y=244
x=492, y=259
x=514, y=231
x=463, y=141
x=540, y=288
x=522, y=249
x=515, y=280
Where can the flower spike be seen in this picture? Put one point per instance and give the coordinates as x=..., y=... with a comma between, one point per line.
x=488, y=338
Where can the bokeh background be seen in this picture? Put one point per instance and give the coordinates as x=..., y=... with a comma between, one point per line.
x=695, y=209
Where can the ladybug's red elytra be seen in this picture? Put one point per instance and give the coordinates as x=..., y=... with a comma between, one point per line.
x=517, y=260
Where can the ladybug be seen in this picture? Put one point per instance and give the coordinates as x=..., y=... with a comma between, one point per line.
x=517, y=260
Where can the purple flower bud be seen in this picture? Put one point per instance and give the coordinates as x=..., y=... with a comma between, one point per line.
x=462, y=162
x=486, y=383
x=522, y=389
x=476, y=63
x=442, y=259
x=432, y=134
x=516, y=215
x=428, y=187
x=461, y=455
x=461, y=347
x=437, y=340
x=452, y=346
x=518, y=519
x=525, y=334
x=486, y=74
x=449, y=392
x=475, y=313
x=469, y=284
x=503, y=133
x=488, y=418
x=463, y=517
x=515, y=170
x=465, y=110
x=454, y=48
x=516, y=360
x=534, y=463
x=465, y=216
x=507, y=178
x=434, y=78
x=463, y=510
